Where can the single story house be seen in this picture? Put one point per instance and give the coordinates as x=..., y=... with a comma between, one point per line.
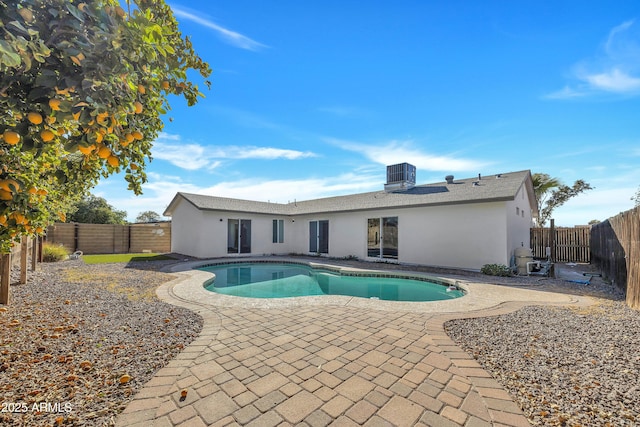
x=458, y=223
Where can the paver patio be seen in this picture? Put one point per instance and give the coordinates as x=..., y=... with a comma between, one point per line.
x=321, y=361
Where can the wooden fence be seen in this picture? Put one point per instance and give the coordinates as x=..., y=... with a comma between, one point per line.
x=616, y=251
x=568, y=244
x=112, y=238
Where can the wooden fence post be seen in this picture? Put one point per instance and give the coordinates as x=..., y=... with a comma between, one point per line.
x=24, y=254
x=552, y=240
x=34, y=253
x=5, y=278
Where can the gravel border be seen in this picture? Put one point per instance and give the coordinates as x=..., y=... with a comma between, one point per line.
x=563, y=366
x=78, y=341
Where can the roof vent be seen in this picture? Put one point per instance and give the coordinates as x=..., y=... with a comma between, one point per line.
x=400, y=177
x=449, y=179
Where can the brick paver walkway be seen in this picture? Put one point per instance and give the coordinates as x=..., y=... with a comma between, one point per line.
x=320, y=365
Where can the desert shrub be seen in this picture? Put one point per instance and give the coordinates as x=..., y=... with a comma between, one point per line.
x=53, y=253
x=496, y=270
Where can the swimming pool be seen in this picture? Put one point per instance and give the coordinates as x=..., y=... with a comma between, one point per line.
x=284, y=280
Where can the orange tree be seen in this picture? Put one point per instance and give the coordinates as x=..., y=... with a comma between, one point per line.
x=83, y=85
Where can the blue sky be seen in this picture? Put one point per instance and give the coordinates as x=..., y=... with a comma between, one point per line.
x=314, y=98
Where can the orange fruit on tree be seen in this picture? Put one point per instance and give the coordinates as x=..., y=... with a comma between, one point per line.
x=129, y=138
x=10, y=185
x=141, y=89
x=47, y=135
x=5, y=195
x=165, y=85
x=104, y=152
x=11, y=137
x=137, y=135
x=86, y=150
x=19, y=218
x=138, y=107
x=113, y=161
x=32, y=190
x=102, y=117
x=34, y=118
x=54, y=104
x=42, y=192
x=134, y=166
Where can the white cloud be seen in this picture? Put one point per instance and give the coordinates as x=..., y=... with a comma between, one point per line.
x=613, y=80
x=267, y=153
x=191, y=156
x=566, y=93
x=615, y=69
x=185, y=156
x=393, y=152
x=231, y=37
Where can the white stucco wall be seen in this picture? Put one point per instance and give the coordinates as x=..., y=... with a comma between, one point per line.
x=519, y=221
x=461, y=236
x=202, y=233
x=185, y=229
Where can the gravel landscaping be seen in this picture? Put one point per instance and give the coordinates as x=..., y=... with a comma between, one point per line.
x=563, y=366
x=79, y=340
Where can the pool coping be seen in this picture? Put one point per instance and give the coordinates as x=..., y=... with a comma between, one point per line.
x=342, y=271
x=478, y=295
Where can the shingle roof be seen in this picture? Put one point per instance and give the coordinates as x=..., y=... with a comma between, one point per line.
x=501, y=187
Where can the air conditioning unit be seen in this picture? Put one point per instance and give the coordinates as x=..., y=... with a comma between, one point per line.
x=400, y=177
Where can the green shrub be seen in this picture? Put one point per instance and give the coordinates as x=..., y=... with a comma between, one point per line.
x=496, y=270
x=53, y=253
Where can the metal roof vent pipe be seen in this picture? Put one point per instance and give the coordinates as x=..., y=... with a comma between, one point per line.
x=449, y=179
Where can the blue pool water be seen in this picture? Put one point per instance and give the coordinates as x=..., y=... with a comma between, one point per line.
x=275, y=280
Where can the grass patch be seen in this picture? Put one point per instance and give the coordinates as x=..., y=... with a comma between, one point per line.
x=108, y=258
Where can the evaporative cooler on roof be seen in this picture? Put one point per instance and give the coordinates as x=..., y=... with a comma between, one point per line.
x=400, y=177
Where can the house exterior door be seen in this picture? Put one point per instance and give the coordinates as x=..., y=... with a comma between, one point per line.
x=382, y=237
x=319, y=237
x=239, y=236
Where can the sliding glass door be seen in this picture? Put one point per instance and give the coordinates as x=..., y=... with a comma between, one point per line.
x=382, y=237
x=239, y=236
x=319, y=237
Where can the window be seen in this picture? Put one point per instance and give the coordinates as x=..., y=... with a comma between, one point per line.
x=278, y=231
